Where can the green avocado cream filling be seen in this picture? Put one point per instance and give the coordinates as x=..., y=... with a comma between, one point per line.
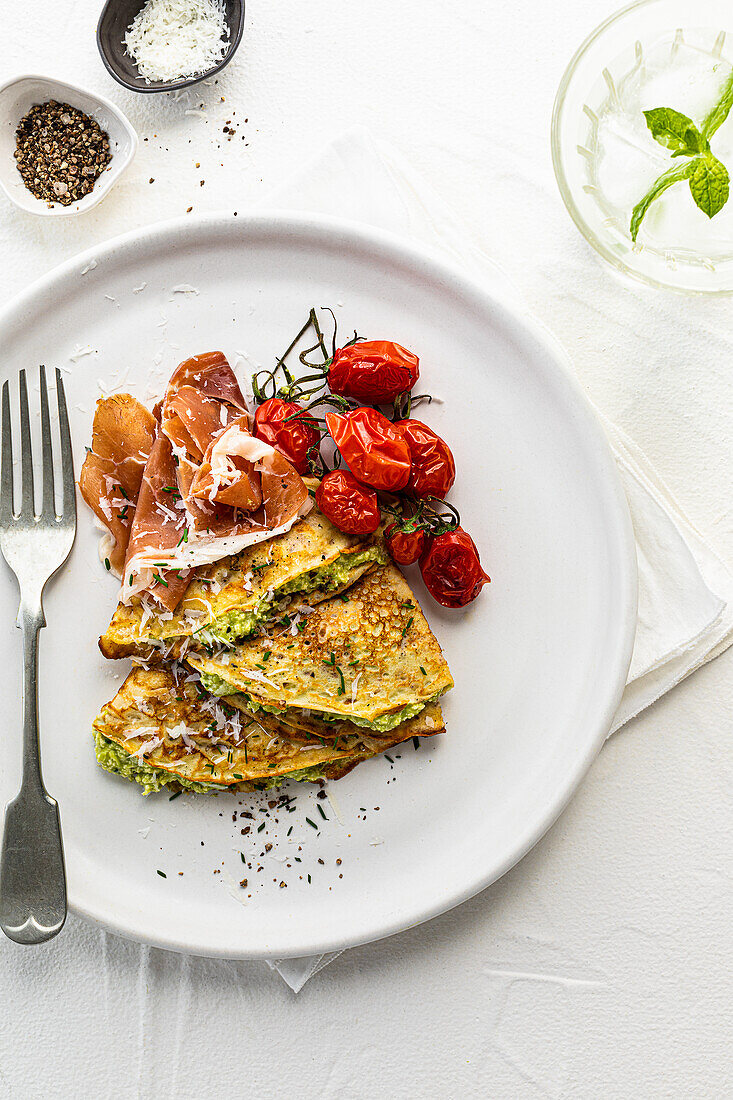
x=239, y=623
x=114, y=759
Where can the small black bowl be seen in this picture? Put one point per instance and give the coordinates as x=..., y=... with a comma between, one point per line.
x=113, y=23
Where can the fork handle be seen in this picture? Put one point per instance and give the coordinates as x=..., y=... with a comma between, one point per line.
x=32, y=875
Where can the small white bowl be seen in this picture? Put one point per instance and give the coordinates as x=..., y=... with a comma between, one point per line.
x=17, y=96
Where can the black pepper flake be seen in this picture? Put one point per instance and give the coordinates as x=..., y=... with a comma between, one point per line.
x=60, y=152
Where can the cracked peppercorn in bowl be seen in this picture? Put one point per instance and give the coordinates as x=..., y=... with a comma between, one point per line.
x=62, y=149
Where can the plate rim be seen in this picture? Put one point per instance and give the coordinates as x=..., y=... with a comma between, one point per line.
x=416, y=256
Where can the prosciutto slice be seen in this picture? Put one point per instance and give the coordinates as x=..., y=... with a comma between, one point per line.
x=122, y=439
x=159, y=525
x=211, y=376
x=204, y=486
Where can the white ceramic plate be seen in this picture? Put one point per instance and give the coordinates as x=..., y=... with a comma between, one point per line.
x=539, y=660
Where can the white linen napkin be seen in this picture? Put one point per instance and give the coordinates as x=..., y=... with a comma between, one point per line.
x=685, y=591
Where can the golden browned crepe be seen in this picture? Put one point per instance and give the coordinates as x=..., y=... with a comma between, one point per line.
x=368, y=657
x=233, y=597
x=161, y=730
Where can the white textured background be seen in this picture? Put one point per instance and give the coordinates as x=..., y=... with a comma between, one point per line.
x=601, y=966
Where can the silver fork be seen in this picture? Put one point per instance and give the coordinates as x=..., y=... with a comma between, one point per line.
x=32, y=875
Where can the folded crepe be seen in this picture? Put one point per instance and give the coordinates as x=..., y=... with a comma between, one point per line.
x=162, y=730
x=227, y=601
x=367, y=657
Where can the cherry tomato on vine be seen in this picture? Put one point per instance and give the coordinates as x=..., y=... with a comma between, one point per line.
x=373, y=370
x=433, y=469
x=374, y=449
x=292, y=438
x=404, y=547
x=350, y=506
x=451, y=568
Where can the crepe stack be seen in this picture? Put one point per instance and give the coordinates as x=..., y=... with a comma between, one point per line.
x=264, y=674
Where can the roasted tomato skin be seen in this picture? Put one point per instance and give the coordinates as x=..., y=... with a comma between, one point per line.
x=376, y=371
x=404, y=547
x=433, y=469
x=350, y=506
x=293, y=439
x=451, y=568
x=373, y=448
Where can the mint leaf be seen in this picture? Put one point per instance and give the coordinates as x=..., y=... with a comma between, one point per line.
x=673, y=175
x=709, y=184
x=675, y=131
x=720, y=111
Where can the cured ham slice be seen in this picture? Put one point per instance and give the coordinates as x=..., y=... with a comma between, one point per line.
x=208, y=489
x=227, y=474
x=159, y=525
x=186, y=485
x=166, y=544
x=211, y=376
x=122, y=439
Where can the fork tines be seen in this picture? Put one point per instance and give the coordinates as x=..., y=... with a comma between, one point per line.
x=27, y=510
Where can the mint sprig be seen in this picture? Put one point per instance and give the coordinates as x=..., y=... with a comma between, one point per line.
x=708, y=177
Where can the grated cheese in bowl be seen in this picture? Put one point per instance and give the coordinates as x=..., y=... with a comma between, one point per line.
x=174, y=39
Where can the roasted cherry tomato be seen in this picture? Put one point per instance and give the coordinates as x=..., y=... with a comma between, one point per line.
x=404, y=547
x=433, y=470
x=451, y=569
x=293, y=438
x=375, y=451
x=350, y=506
x=373, y=370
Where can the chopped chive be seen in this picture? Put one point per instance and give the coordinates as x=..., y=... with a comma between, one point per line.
x=423, y=671
x=162, y=874
x=416, y=743
x=241, y=856
x=312, y=823
x=107, y=565
x=309, y=878
x=157, y=577
x=389, y=758
x=321, y=812
x=409, y=624
x=289, y=830
x=261, y=827
x=176, y=795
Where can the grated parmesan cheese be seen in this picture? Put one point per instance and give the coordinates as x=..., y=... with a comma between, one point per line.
x=172, y=39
